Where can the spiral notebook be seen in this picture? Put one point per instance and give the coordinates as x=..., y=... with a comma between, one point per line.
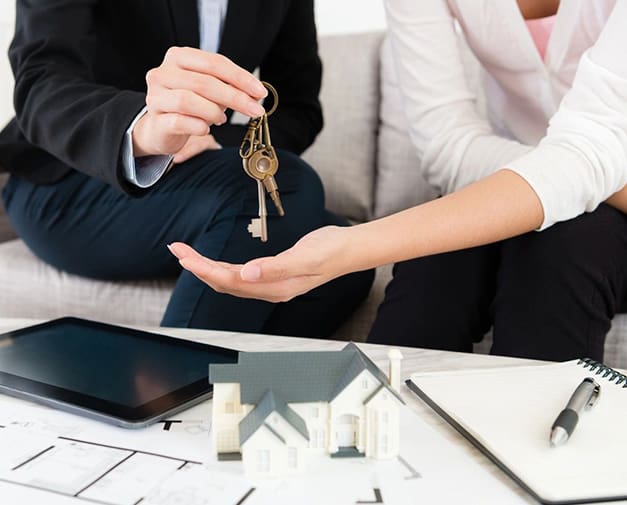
x=508, y=413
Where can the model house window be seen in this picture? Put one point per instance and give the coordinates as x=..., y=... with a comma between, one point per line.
x=320, y=441
x=315, y=412
x=228, y=408
x=384, y=417
x=384, y=444
x=292, y=456
x=227, y=441
x=313, y=440
x=317, y=439
x=364, y=384
x=263, y=460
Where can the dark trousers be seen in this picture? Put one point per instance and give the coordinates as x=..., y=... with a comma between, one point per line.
x=547, y=295
x=85, y=227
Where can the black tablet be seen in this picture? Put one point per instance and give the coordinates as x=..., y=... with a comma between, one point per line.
x=126, y=377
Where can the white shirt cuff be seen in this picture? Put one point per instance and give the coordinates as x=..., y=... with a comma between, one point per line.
x=144, y=171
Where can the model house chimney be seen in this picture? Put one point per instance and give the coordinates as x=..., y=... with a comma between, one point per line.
x=395, y=358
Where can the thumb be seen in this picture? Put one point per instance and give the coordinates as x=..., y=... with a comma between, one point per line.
x=272, y=269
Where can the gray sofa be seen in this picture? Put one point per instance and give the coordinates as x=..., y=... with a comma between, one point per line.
x=368, y=167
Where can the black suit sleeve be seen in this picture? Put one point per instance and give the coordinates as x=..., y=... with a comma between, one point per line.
x=293, y=67
x=59, y=106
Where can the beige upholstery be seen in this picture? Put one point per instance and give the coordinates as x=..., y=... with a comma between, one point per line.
x=368, y=168
x=399, y=182
x=32, y=289
x=344, y=154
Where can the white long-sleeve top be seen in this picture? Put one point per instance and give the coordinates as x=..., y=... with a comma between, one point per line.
x=560, y=123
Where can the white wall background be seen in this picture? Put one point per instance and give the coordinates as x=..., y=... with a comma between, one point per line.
x=332, y=17
x=342, y=16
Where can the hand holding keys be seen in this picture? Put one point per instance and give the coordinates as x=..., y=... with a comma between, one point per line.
x=261, y=163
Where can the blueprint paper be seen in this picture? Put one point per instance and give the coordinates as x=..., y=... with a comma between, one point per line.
x=53, y=457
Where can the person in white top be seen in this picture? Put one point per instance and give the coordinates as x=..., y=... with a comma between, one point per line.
x=551, y=157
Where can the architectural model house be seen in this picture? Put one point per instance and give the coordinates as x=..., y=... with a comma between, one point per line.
x=274, y=410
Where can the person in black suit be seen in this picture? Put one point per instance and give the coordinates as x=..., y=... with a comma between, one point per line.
x=110, y=94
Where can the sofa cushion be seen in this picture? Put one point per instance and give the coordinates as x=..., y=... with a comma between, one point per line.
x=32, y=289
x=344, y=153
x=400, y=183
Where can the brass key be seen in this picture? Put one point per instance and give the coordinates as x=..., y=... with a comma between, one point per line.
x=260, y=162
x=263, y=164
x=258, y=227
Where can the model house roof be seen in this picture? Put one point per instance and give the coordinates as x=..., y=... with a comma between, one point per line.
x=257, y=417
x=297, y=377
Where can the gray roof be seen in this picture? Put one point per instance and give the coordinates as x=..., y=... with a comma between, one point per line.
x=256, y=418
x=304, y=377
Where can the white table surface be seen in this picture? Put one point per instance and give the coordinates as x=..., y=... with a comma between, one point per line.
x=414, y=360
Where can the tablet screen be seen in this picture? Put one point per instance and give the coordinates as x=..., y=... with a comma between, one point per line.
x=106, y=363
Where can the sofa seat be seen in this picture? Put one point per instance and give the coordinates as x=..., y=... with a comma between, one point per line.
x=33, y=289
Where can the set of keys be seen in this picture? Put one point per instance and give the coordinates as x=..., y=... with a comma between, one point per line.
x=261, y=163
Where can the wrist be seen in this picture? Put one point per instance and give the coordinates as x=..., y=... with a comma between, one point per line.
x=352, y=253
x=139, y=138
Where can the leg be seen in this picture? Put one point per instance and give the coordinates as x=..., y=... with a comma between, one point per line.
x=439, y=302
x=83, y=226
x=558, y=290
x=317, y=313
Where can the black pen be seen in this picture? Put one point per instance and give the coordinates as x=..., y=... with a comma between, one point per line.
x=584, y=397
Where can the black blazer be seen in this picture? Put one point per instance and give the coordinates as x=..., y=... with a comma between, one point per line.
x=80, y=69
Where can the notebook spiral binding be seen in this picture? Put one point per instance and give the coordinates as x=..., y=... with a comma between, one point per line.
x=604, y=371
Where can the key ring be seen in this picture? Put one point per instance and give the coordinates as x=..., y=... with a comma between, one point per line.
x=248, y=144
x=275, y=96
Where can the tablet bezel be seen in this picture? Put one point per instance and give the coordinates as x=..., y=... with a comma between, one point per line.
x=97, y=408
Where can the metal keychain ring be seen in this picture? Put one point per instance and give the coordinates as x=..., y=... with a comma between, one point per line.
x=275, y=95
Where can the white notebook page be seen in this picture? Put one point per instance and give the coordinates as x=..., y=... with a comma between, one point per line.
x=511, y=410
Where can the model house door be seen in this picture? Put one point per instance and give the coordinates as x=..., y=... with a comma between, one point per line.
x=346, y=430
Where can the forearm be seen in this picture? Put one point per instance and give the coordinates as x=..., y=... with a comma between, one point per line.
x=619, y=200
x=500, y=206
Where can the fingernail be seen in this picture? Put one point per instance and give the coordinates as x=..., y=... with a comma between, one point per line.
x=251, y=273
x=256, y=110
x=171, y=249
x=259, y=89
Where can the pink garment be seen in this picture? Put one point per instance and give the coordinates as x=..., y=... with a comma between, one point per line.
x=540, y=30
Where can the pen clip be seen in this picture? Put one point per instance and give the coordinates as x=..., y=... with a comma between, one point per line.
x=594, y=396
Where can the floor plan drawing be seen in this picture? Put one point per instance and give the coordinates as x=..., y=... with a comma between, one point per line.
x=49, y=456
